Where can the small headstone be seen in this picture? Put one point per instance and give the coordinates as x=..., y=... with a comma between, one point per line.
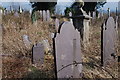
x=30, y=11
x=57, y=24
x=70, y=14
x=48, y=15
x=16, y=14
x=38, y=53
x=108, y=42
x=44, y=16
x=46, y=46
x=68, y=52
x=26, y=41
x=98, y=15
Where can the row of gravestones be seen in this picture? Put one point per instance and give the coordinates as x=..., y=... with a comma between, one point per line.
x=67, y=48
x=45, y=15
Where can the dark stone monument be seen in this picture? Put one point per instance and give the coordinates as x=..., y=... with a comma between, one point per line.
x=38, y=54
x=68, y=52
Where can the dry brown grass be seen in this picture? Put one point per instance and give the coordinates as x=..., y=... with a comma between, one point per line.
x=18, y=65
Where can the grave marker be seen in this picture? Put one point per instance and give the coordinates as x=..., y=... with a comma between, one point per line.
x=108, y=42
x=70, y=14
x=41, y=14
x=68, y=52
x=94, y=15
x=57, y=24
x=26, y=41
x=48, y=15
x=44, y=15
x=38, y=54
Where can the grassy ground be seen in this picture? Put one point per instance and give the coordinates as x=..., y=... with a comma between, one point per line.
x=17, y=59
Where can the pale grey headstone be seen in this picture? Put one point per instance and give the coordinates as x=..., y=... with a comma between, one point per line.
x=48, y=15
x=38, y=53
x=41, y=13
x=57, y=24
x=109, y=41
x=44, y=16
x=94, y=15
x=68, y=51
x=16, y=14
x=70, y=14
x=26, y=41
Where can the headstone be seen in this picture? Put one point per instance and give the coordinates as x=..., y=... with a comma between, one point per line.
x=1, y=12
x=48, y=15
x=108, y=42
x=26, y=41
x=20, y=10
x=108, y=12
x=57, y=24
x=94, y=15
x=68, y=52
x=90, y=14
x=16, y=14
x=41, y=13
x=44, y=16
x=46, y=46
x=30, y=11
x=86, y=33
x=70, y=14
x=99, y=15
x=38, y=53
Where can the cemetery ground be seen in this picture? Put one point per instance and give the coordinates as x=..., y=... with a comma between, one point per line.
x=17, y=58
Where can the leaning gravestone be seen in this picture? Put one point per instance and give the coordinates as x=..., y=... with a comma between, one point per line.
x=48, y=15
x=108, y=42
x=38, y=54
x=44, y=15
x=68, y=52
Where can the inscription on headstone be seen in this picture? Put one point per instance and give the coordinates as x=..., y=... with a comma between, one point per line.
x=68, y=52
x=38, y=53
x=108, y=42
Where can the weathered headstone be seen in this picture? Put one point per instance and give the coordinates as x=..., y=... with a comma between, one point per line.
x=1, y=12
x=44, y=15
x=57, y=24
x=68, y=52
x=46, y=46
x=94, y=15
x=48, y=15
x=38, y=53
x=30, y=11
x=108, y=42
x=26, y=41
x=86, y=33
x=70, y=14
x=41, y=14
x=16, y=14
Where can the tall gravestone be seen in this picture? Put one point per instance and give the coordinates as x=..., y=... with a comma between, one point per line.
x=70, y=14
x=48, y=15
x=57, y=24
x=94, y=15
x=68, y=52
x=38, y=54
x=41, y=14
x=108, y=42
x=44, y=16
x=26, y=41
